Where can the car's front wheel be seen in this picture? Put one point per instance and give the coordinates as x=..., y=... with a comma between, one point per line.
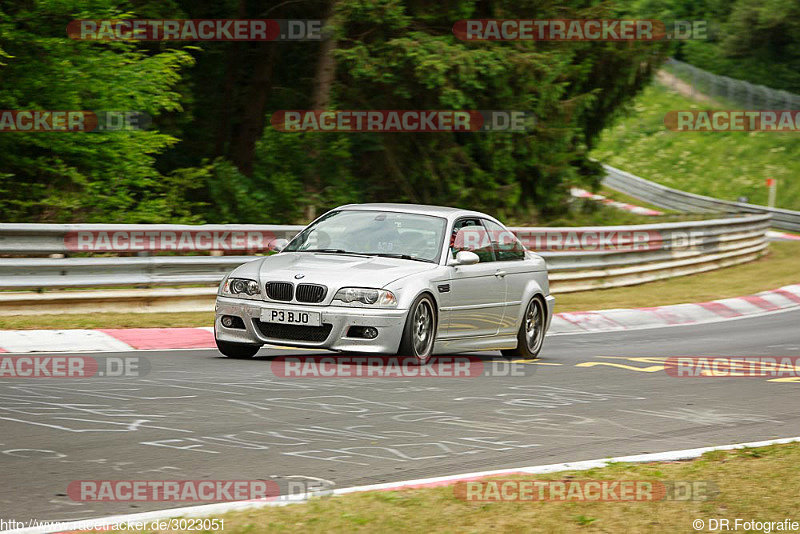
x=241, y=351
x=420, y=330
x=531, y=332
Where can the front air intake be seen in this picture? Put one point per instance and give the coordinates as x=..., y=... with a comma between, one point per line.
x=312, y=293
x=280, y=291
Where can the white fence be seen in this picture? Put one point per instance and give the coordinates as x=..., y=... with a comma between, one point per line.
x=731, y=90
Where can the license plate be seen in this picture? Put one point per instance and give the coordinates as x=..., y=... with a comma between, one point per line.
x=291, y=317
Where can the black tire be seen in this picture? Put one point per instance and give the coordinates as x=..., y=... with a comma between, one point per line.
x=419, y=332
x=240, y=351
x=529, y=341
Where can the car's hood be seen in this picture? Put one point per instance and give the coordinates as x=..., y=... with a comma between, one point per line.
x=336, y=270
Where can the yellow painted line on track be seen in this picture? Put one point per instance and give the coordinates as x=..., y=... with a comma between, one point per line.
x=656, y=361
x=659, y=364
x=650, y=369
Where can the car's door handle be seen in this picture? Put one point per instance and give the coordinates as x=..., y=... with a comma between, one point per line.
x=500, y=273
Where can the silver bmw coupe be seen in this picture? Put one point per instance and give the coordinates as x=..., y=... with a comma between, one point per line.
x=390, y=278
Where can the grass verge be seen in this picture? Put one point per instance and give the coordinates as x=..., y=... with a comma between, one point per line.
x=753, y=484
x=777, y=269
x=588, y=212
x=724, y=165
x=622, y=197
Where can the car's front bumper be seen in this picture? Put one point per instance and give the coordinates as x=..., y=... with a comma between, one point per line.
x=388, y=322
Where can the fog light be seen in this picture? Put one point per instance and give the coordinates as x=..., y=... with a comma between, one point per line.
x=370, y=332
x=231, y=321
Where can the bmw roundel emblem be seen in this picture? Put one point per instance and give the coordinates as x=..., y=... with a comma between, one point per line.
x=299, y=276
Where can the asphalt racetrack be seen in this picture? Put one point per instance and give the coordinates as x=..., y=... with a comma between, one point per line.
x=200, y=416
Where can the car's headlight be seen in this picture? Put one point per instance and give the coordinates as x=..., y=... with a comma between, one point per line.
x=241, y=287
x=380, y=298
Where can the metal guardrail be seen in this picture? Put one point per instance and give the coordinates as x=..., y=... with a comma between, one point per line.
x=684, y=248
x=45, y=273
x=666, y=197
x=671, y=249
x=32, y=239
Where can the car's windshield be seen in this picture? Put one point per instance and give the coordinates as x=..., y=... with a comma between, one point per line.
x=384, y=233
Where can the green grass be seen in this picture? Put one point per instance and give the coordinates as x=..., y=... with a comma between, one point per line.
x=587, y=212
x=753, y=484
x=724, y=165
x=777, y=269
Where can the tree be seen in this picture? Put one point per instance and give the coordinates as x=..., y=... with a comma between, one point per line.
x=214, y=156
x=99, y=176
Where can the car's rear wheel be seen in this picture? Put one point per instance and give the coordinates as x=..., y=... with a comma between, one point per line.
x=420, y=330
x=531, y=332
x=240, y=351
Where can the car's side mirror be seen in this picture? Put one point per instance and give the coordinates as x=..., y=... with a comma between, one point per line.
x=465, y=257
x=278, y=245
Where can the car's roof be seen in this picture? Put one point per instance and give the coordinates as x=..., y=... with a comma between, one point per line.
x=440, y=211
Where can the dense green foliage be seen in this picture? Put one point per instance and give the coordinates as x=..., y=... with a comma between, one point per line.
x=213, y=156
x=753, y=40
x=85, y=176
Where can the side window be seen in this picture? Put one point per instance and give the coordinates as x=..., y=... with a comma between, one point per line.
x=469, y=234
x=506, y=245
